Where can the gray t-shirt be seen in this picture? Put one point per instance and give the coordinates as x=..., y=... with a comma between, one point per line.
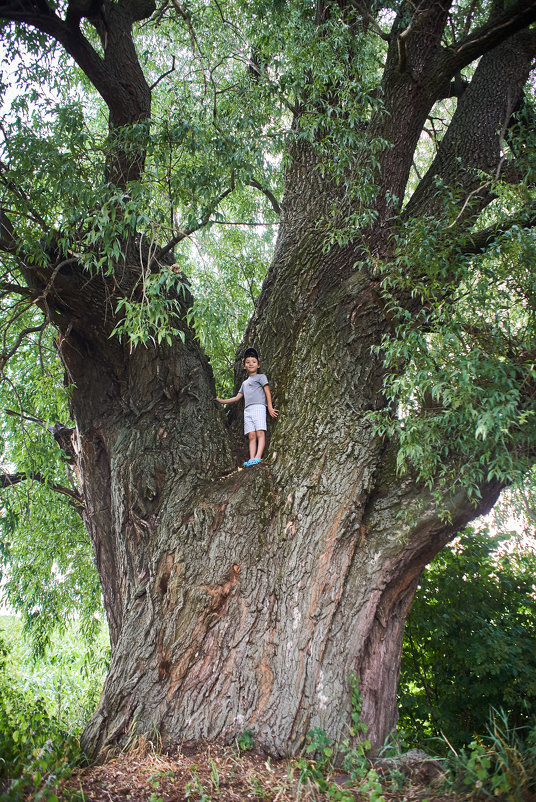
x=253, y=389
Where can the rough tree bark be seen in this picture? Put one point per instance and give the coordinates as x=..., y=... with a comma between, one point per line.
x=245, y=599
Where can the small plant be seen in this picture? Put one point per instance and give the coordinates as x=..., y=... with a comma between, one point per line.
x=245, y=742
x=355, y=760
x=195, y=786
x=155, y=778
x=257, y=788
x=337, y=794
x=320, y=745
x=214, y=774
x=316, y=769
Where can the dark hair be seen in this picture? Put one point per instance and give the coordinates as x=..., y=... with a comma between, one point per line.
x=251, y=352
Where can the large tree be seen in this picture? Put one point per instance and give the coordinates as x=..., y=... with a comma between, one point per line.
x=396, y=323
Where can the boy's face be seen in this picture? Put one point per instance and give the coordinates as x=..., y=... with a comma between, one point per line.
x=251, y=365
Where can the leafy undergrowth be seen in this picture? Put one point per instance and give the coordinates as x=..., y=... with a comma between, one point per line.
x=225, y=774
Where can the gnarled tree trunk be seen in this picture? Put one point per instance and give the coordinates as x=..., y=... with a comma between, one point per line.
x=245, y=599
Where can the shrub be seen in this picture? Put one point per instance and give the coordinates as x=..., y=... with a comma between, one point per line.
x=36, y=752
x=470, y=641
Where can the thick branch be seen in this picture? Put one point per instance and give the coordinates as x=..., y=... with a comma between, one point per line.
x=498, y=28
x=117, y=78
x=8, y=287
x=62, y=434
x=474, y=142
x=8, y=242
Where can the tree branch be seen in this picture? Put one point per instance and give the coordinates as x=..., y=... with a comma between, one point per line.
x=401, y=44
x=11, y=479
x=18, y=191
x=518, y=16
x=269, y=194
x=186, y=17
x=26, y=292
x=62, y=434
x=481, y=240
x=5, y=357
x=8, y=243
x=164, y=74
x=187, y=232
x=113, y=86
x=470, y=156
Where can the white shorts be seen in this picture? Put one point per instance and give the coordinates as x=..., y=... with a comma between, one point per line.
x=254, y=418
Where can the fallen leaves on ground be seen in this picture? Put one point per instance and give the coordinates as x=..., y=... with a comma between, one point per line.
x=215, y=773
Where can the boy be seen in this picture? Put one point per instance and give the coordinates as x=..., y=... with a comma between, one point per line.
x=256, y=394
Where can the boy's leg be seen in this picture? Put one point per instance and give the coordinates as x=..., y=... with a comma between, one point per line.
x=261, y=440
x=252, y=436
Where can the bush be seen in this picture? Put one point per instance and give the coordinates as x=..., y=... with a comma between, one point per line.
x=470, y=642
x=36, y=752
x=44, y=703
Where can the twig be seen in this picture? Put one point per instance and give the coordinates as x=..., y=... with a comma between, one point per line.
x=4, y=358
x=187, y=232
x=164, y=74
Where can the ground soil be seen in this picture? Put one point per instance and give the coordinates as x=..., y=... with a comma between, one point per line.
x=226, y=774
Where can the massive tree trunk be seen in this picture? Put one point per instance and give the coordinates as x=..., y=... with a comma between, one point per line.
x=245, y=599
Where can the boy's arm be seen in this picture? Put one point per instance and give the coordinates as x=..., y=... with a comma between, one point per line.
x=273, y=412
x=232, y=400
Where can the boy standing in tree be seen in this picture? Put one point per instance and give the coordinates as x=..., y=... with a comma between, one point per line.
x=256, y=394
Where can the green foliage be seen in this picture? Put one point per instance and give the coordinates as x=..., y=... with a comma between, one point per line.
x=157, y=315
x=353, y=751
x=500, y=764
x=46, y=561
x=43, y=706
x=460, y=351
x=516, y=507
x=355, y=761
x=470, y=640
x=68, y=675
x=194, y=787
x=226, y=282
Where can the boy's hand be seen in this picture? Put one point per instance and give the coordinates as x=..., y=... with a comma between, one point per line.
x=273, y=412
